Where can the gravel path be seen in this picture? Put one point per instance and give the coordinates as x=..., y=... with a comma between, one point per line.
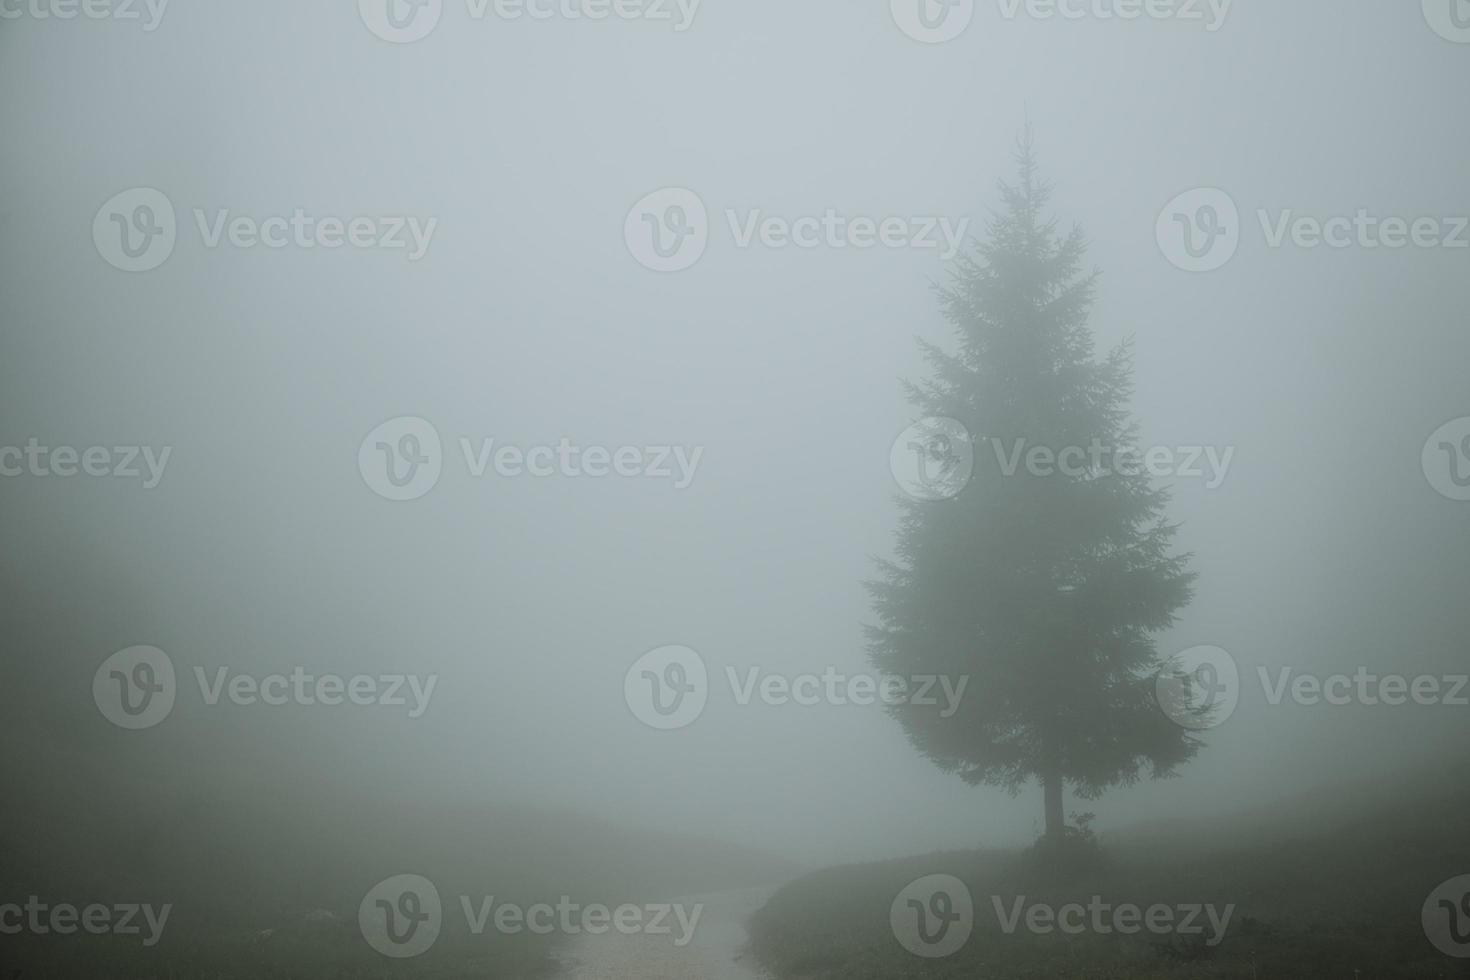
x=716, y=952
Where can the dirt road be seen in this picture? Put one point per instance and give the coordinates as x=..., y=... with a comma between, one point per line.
x=716, y=950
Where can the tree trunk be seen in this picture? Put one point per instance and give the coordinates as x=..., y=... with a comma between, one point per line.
x=1056, y=822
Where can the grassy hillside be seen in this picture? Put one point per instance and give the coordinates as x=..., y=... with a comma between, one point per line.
x=1329, y=885
x=267, y=882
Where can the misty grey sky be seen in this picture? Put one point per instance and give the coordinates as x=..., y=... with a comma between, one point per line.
x=528, y=321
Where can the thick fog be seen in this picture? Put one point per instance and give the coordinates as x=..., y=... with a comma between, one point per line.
x=760, y=386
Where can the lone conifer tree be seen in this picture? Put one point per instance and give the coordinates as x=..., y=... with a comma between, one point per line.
x=1044, y=578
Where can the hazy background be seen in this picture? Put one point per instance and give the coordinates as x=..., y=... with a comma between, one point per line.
x=529, y=321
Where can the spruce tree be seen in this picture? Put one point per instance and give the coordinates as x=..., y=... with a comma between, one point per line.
x=1046, y=588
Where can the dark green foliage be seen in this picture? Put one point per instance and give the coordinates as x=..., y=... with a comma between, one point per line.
x=1045, y=589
